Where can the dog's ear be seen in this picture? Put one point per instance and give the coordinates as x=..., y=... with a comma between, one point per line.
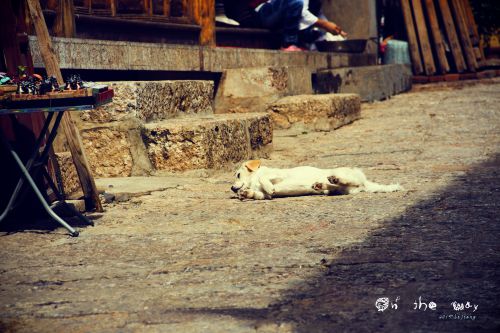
x=252, y=165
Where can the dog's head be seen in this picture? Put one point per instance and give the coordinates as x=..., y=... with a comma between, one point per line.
x=244, y=174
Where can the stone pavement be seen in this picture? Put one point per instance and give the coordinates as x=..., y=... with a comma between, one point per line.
x=189, y=257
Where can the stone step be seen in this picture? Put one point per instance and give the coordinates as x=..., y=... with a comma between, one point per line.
x=317, y=112
x=208, y=142
x=372, y=83
x=252, y=89
x=154, y=101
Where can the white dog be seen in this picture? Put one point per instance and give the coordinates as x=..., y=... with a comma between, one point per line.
x=258, y=182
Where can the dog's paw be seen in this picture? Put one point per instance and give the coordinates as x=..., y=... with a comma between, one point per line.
x=317, y=186
x=333, y=180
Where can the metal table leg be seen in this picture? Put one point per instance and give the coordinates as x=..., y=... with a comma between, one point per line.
x=30, y=181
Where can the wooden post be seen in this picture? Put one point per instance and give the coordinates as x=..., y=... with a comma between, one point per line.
x=112, y=7
x=436, y=35
x=203, y=13
x=64, y=25
x=416, y=60
x=72, y=135
x=464, y=35
x=452, y=36
x=166, y=8
x=423, y=36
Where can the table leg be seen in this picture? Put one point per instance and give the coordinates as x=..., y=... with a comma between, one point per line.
x=32, y=161
x=32, y=184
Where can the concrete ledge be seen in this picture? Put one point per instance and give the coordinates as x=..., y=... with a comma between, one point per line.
x=206, y=143
x=317, y=112
x=371, y=82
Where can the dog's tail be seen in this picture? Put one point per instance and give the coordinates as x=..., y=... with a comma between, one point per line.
x=374, y=187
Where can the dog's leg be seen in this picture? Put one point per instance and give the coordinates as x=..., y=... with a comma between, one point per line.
x=267, y=187
x=344, y=181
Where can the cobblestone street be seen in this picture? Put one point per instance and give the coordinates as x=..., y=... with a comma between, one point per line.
x=191, y=257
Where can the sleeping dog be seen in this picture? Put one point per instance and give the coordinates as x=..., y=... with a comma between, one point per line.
x=259, y=182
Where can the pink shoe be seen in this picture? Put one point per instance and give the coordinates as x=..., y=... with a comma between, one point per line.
x=292, y=48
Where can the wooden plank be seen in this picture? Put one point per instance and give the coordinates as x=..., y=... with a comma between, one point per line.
x=472, y=22
x=463, y=34
x=416, y=60
x=423, y=36
x=72, y=135
x=437, y=37
x=451, y=33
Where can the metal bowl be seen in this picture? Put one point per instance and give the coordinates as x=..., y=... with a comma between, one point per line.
x=349, y=46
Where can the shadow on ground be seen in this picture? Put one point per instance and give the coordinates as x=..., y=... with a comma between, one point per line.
x=443, y=250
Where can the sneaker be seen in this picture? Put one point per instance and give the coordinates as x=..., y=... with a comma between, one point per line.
x=292, y=48
x=222, y=18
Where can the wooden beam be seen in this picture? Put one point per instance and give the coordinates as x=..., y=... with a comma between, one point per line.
x=416, y=60
x=72, y=135
x=423, y=36
x=444, y=66
x=463, y=33
x=452, y=36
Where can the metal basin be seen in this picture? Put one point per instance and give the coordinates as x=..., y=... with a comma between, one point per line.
x=349, y=46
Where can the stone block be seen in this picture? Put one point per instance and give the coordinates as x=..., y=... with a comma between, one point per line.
x=372, y=83
x=154, y=100
x=252, y=89
x=318, y=112
x=108, y=152
x=206, y=143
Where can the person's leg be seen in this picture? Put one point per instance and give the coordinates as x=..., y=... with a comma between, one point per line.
x=283, y=14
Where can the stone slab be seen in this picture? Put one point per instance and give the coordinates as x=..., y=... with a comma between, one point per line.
x=206, y=143
x=317, y=112
x=93, y=54
x=252, y=89
x=154, y=100
x=372, y=83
